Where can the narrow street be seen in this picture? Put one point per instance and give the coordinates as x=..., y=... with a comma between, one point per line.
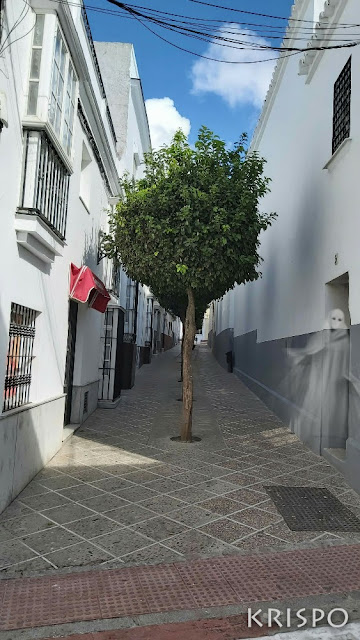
x=125, y=527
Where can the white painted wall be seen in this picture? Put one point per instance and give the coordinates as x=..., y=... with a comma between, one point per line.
x=36, y=430
x=316, y=207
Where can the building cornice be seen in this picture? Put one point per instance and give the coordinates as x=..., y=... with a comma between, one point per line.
x=141, y=114
x=327, y=17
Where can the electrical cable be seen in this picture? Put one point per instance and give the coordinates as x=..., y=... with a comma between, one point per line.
x=140, y=16
x=17, y=23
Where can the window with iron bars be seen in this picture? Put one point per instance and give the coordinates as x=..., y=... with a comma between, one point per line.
x=45, y=185
x=342, y=107
x=19, y=357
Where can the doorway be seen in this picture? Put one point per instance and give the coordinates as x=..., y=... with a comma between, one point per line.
x=336, y=365
x=70, y=359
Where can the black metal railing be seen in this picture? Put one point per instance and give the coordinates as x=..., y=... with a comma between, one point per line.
x=86, y=127
x=19, y=357
x=115, y=280
x=107, y=370
x=45, y=183
x=111, y=124
x=97, y=67
x=92, y=49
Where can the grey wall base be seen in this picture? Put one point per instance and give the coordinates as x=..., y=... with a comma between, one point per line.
x=78, y=416
x=223, y=343
x=109, y=404
x=266, y=369
x=29, y=438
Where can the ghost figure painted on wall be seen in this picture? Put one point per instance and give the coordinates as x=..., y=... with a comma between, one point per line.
x=319, y=386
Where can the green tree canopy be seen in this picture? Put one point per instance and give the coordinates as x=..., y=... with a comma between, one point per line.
x=189, y=228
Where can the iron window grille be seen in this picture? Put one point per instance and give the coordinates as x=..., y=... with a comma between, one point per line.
x=115, y=279
x=342, y=104
x=19, y=357
x=45, y=182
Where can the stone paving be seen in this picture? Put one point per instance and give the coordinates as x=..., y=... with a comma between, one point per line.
x=121, y=493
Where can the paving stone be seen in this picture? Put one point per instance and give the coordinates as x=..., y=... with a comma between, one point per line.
x=55, y=538
x=249, y=497
x=159, y=528
x=226, y=530
x=141, y=477
x=35, y=566
x=192, y=478
x=32, y=489
x=78, y=555
x=130, y=514
x=256, y=518
x=60, y=482
x=219, y=487
x=167, y=470
x=137, y=493
x=238, y=464
x=112, y=484
x=47, y=472
x=162, y=504
x=281, y=530
x=261, y=540
x=15, y=510
x=105, y=502
x=155, y=554
x=18, y=527
x=193, y=516
x=67, y=513
x=222, y=505
x=165, y=485
x=122, y=542
x=46, y=501
x=192, y=494
x=14, y=551
x=243, y=480
x=195, y=544
x=112, y=469
x=94, y=526
x=81, y=492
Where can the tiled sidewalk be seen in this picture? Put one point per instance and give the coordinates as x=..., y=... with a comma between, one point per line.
x=214, y=582
x=121, y=493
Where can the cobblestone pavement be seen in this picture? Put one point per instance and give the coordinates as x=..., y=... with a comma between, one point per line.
x=121, y=493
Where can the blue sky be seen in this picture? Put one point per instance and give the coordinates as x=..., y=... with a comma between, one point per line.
x=226, y=98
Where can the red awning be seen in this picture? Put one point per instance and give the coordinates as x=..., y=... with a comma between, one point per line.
x=85, y=286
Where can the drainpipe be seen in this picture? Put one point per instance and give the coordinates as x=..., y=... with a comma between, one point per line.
x=136, y=311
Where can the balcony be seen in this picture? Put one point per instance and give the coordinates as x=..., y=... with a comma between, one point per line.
x=41, y=216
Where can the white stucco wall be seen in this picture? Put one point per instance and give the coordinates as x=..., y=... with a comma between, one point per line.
x=316, y=207
x=36, y=430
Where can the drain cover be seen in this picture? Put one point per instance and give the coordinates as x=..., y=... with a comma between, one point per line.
x=312, y=509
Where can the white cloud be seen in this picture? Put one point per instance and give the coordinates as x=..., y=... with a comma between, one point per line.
x=164, y=121
x=237, y=84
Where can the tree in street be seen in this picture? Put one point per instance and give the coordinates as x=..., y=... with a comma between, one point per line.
x=189, y=229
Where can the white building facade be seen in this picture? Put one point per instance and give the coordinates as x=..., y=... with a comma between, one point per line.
x=62, y=150
x=278, y=328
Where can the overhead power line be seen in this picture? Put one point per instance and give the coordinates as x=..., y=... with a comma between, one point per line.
x=146, y=16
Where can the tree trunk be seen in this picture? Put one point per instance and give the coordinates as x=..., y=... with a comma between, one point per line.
x=188, y=341
x=182, y=354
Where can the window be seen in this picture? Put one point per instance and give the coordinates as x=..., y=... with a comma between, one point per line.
x=19, y=357
x=35, y=64
x=62, y=101
x=342, y=103
x=45, y=186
